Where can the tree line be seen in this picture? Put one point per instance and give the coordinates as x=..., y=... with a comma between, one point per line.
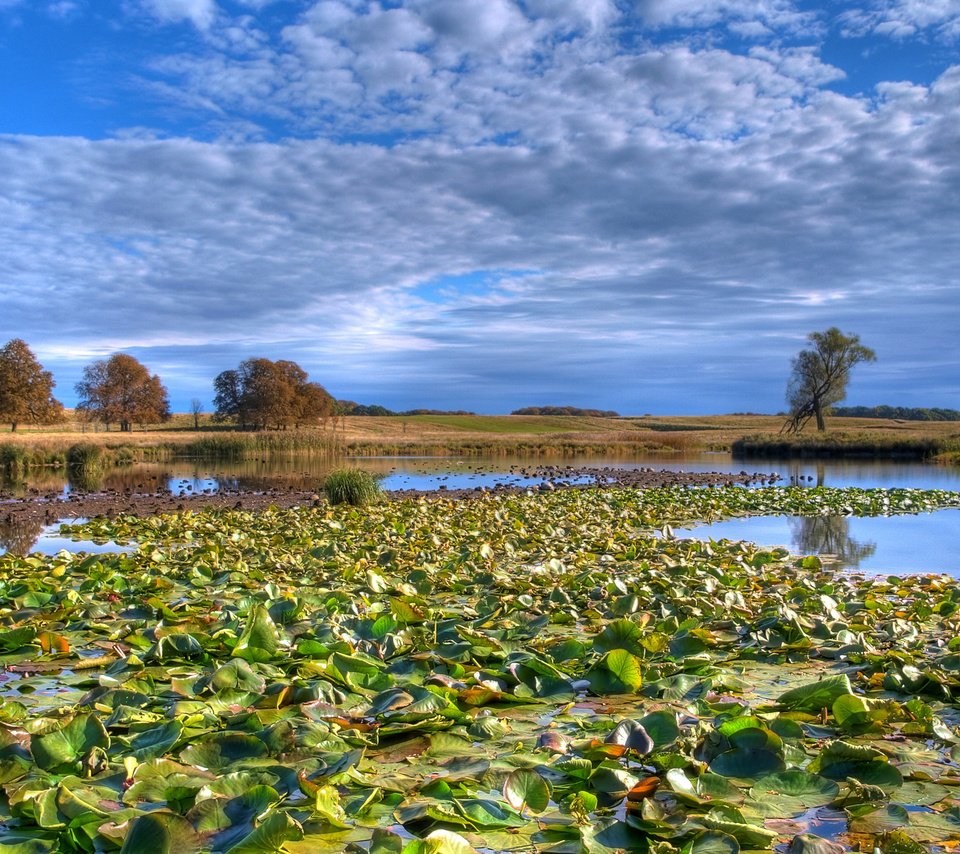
x=898, y=413
x=258, y=394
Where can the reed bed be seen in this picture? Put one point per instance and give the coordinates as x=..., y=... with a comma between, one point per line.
x=844, y=445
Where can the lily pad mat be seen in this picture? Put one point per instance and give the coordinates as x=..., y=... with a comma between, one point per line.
x=518, y=672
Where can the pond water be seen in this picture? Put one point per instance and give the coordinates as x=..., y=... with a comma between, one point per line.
x=929, y=542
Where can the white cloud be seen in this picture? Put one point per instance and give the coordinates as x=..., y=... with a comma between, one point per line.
x=653, y=194
x=201, y=13
x=749, y=17
x=645, y=237
x=904, y=19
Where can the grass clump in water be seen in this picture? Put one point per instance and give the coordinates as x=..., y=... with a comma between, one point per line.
x=352, y=486
x=86, y=457
x=14, y=459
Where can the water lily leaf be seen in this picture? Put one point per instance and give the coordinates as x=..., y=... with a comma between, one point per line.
x=19, y=842
x=898, y=842
x=328, y=808
x=269, y=836
x=631, y=735
x=386, y=842
x=747, y=762
x=237, y=673
x=921, y=825
x=161, y=833
x=14, y=639
x=747, y=835
x=620, y=634
x=817, y=695
x=220, y=750
x=155, y=741
x=791, y=792
x=62, y=749
x=442, y=842
x=485, y=813
x=525, y=788
x=854, y=713
x=618, y=672
x=662, y=727
x=711, y=842
x=840, y=760
x=260, y=639
x=810, y=843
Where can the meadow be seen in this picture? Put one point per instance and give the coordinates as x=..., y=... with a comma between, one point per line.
x=551, y=672
x=485, y=435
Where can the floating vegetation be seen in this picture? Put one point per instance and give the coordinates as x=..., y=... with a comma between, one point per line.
x=549, y=672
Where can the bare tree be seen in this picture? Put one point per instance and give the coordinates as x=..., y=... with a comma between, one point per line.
x=820, y=375
x=196, y=407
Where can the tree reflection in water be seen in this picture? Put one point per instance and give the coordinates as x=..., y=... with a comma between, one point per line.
x=18, y=536
x=829, y=535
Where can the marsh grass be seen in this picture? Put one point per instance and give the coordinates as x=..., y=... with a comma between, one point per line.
x=352, y=486
x=842, y=444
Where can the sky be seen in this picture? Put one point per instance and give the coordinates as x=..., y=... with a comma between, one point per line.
x=637, y=205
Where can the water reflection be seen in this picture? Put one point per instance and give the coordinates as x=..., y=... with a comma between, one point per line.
x=17, y=536
x=829, y=535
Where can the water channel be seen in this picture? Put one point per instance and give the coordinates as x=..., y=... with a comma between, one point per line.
x=901, y=544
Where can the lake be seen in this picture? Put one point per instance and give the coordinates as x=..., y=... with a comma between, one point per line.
x=922, y=543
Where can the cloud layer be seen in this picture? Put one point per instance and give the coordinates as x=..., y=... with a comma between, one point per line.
x=480, y=205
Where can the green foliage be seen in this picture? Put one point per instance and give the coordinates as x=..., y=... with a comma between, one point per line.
x=352, y=486
x=820, y=375
x=431, y=676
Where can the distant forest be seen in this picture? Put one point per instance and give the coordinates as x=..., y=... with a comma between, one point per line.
x=348, y=407
x=901, y=413
x=566, y=410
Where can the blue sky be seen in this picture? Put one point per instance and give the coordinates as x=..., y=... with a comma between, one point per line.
x=639, y=205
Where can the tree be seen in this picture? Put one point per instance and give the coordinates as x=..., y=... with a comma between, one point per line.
x=122, y=390
x=196, y=407
x=820, y=375
x=26, y=389
x=260, y=393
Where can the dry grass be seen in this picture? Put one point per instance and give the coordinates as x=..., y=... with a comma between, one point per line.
x=475, y=435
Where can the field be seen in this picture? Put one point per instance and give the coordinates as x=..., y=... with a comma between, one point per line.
x=512, y=673
x=489, y=435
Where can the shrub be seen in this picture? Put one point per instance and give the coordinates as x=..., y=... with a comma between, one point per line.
x=351, y=486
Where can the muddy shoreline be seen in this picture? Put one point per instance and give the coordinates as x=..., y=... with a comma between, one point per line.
x=50, y=508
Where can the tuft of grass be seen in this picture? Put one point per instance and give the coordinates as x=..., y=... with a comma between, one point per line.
x=14, y=459
x=86, y=456
x=352, y=486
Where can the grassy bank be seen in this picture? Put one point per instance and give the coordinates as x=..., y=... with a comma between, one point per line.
x=489, y=435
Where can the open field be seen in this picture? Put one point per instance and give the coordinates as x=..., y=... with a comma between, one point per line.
x=514, y=673
x=486, y=435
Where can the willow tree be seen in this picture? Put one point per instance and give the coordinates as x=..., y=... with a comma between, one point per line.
x=26, y=389
x=820, y=375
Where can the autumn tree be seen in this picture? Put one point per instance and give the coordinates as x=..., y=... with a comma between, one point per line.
x=260, y=393
x=121, y=390
x=26, y=389
x=820, y=375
